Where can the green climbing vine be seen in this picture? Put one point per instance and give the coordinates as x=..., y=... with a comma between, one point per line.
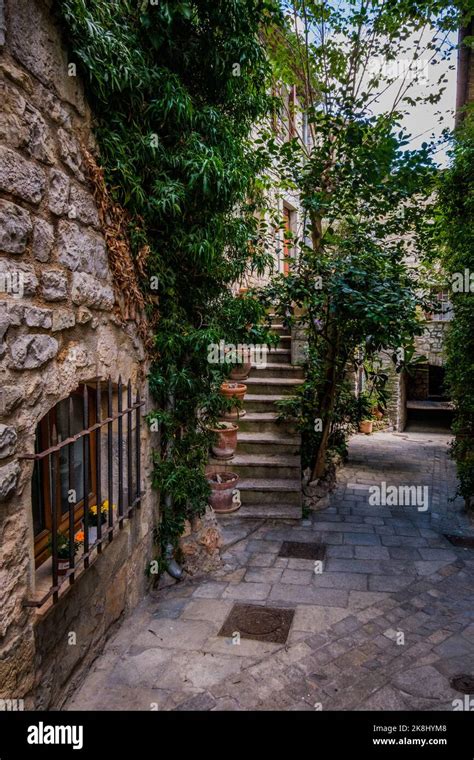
x=175, y=89
x=456, y=227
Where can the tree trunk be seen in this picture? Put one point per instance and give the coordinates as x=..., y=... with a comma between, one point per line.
x=327, y=401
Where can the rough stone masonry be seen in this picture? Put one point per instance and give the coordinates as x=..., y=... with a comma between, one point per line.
x=57, y=329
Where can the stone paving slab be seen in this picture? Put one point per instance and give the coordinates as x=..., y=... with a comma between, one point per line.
x=384, y=626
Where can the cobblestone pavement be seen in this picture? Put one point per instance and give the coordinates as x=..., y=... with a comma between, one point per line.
x=384, y=627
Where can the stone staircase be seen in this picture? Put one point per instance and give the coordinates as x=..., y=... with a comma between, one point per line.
x=267, y=458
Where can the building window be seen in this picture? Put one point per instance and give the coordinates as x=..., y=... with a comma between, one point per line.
x=288, y=231
x=444, y=311
x=62, y=476
x=284, y=116
x=85, y=481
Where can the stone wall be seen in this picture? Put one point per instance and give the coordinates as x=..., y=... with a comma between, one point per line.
x=394, y=406
x=431, y=343
x=58, y=328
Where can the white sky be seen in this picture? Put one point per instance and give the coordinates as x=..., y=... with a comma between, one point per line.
x=425, y=120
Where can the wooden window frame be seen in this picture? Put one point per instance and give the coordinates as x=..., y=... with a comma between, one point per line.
x=41, y=540
x=288, y=247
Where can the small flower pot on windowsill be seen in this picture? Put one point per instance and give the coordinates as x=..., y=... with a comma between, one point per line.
x=224, y=497
x=366, y=426
x=226, y=443
x=63, y=566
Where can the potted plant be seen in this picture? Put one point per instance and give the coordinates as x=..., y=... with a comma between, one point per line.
x=236, y=391
x=366, y=426
x=224, y=497
x=226, y=440
x=93, y=515
x=62, y=552
x=241, y=371
x=242, y=367
x=365, y=404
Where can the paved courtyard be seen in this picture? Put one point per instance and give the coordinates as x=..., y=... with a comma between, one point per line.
x=384, y=626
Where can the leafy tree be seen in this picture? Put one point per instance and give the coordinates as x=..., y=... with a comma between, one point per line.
x=175, y=89
x=456, y=227
x=366, y=196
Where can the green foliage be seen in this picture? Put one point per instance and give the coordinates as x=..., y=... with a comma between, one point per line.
x=63, y=546
x=456, y=227
x=365, y=195
x=175, y=88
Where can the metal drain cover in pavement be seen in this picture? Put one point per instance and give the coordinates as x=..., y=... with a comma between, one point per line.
x=302, y=550
x=463, y=683
x=261, y=623
x=467, y=542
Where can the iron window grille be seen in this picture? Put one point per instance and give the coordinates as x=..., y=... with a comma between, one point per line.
x=96, y=441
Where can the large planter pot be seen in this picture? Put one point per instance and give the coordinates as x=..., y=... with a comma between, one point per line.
x=226, y=443
x=241, y=371
x=237, y=391
x=224, y=497
x=366, y=426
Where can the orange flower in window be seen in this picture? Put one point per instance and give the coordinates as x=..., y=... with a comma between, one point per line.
x=79, y=536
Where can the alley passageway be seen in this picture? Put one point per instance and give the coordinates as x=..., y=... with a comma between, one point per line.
x=385, y=625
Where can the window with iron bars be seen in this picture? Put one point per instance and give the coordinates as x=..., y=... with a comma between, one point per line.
x=86, y=480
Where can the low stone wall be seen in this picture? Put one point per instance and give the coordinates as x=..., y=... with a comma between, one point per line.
x=58, y=328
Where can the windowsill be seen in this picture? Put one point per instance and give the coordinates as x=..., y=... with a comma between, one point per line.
x=43, y=576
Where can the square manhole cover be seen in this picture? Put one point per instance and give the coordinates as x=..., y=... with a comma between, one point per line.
x=302, y=550
x=466, y=542
x=251, y=621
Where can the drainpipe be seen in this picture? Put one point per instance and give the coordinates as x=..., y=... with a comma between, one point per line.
x=172, y=567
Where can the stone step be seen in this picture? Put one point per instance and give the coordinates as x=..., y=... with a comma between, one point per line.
x=268, y=467
x=280, y=329
x=266, y=422
x=277, y=369
x=267, y=457
x=261, y=403
x=268, y=491
x=274, y=511
x=285, y=342
x=268, y=443
x=282, y=355
x=266, y=386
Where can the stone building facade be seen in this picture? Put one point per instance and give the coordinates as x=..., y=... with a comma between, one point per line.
x=60, y=330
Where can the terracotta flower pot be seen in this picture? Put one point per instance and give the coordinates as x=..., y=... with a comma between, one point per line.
x=241, y=371
x=63, y=566
x=226, y=443
x=224, y=497
x=377, y=413
x=366, y=426
x=237, y=391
